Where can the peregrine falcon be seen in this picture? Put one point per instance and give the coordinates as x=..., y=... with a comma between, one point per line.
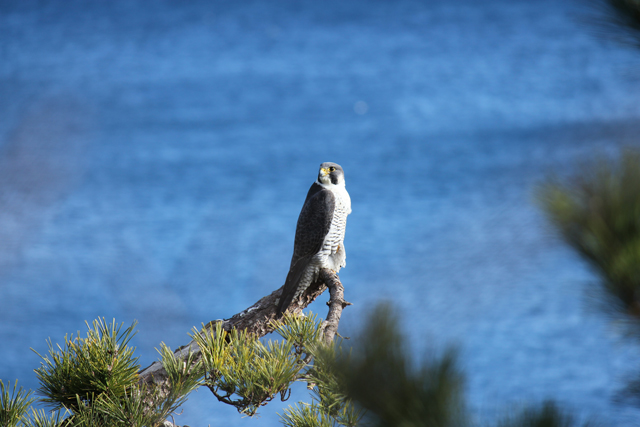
x=319, y=233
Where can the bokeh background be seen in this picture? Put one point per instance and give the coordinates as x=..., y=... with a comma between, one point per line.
x=154, y=157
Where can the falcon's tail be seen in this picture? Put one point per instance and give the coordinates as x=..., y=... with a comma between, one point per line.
x=292, y=284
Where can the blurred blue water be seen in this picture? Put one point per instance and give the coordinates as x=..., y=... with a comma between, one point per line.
x=155, y=158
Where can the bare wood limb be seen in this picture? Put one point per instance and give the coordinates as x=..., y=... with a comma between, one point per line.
x=336, y=303
x=256, y=319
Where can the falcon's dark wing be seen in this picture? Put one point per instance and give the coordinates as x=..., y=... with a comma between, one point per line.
x=313, y=225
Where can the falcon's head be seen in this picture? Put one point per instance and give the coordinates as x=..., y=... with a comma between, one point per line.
x=331, y=173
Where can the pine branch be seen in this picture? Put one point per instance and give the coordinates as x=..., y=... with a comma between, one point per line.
x=257, y=320
x=336, y=303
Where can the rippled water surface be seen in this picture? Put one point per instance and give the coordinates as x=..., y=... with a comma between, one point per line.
x=155, y=156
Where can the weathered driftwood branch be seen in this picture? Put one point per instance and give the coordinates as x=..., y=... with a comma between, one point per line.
x=256, y=319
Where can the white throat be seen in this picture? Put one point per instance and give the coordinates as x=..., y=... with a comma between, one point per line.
x=328, y=183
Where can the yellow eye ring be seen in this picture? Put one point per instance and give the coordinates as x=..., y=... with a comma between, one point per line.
x=332, y=169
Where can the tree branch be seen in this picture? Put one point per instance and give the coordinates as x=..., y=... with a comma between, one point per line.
x=336, y=303
x=256, y=319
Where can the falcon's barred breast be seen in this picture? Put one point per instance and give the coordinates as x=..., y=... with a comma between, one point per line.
x=319, y=233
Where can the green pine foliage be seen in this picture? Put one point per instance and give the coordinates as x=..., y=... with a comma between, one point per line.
x=96, y=380
x=547, y=415
x=619, y=20
x=245, y=372
x=88, y=367
x=14, y=403
x=184, y=375
x=39, y=418
x=144, y=405
x=306, y=415
x=375, y=383
x=381, y=377
x=330, y=406
x=597, y=212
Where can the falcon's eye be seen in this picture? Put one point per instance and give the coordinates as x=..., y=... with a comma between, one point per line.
x=332, y=169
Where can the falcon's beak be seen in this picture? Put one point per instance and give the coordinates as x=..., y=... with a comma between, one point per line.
x=324, y=171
